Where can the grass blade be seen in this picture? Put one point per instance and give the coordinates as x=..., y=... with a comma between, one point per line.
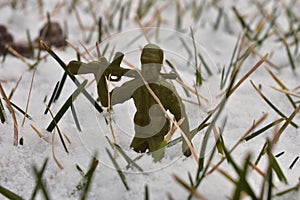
x=61, y=85
x=53, y=154
x=287, y=122
x=75, y=117
x=294, y=188
x=39, y=182
x=282, y=86
x=52, y=98
x=65, y=107
x=205, y=65
x=16, y=132
x=271, y=104
x=254, y=68
x=277, y=169
x=73, y=78
x=2, y=113
x=191, y=189
x=146, y=192
x=9, y=194
x=256, y=133
x=126, y=157
x=294, y=162
x=175, y=71
x=20, y=110
x=121, y=174
x=59, y=133
x=262, y=152
x=100, y=29
x=242, y=22
x=290, y=57
x=88, y=176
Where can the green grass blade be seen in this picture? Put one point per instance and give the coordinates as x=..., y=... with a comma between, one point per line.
x=289, y=54
x=147, y=193
x=51, y=98
x=120, y=172
x=261, y=153
x=223, y=83
x=186, y=186
x=205, y=65
x=9, y=194
x=258, y=132
x=126, y=157
x=20, y=110
x=100, y=30
x=292, y=189
x=272, y=105
x=73, y=78
x=75, y=117
x=186, y=47
x=59, y=133
x=242, y=22
x=277, y=169
x=61, y=85
x=2, y=113
x=39, y=182
x=270, y=185
x=89, y=176
x=294, y=162
x=65, y=107
x=121, y=19
x=282, y=87
x=30, y=45
x=175, y=71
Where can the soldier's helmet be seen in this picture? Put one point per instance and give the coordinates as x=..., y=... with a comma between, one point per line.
x=152, y=53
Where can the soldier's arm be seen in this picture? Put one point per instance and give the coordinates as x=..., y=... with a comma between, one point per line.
x=123, y=93
x=177, y=108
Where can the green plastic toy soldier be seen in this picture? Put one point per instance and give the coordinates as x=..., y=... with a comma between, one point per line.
x=150, y=122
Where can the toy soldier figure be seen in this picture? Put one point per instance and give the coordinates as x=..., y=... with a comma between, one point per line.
x=150, y=122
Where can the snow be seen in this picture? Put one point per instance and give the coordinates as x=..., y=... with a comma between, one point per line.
x=244, y=106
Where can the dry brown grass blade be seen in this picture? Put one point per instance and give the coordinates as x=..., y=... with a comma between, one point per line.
x=191, y=90
x=267, y=60
x=77, y=49
x=53, y=153
x=87, y=51
x=29, y=94
x=39, y=133
x=284, y=126
x=16, y=132
x=142, y=29
x=190, y=101
x=286, y=92
x=15, y=53
x=172, y=131
x=259, y=171
x=254, y=68
x=156, y=15
x=79, y=21
x=15, y=88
